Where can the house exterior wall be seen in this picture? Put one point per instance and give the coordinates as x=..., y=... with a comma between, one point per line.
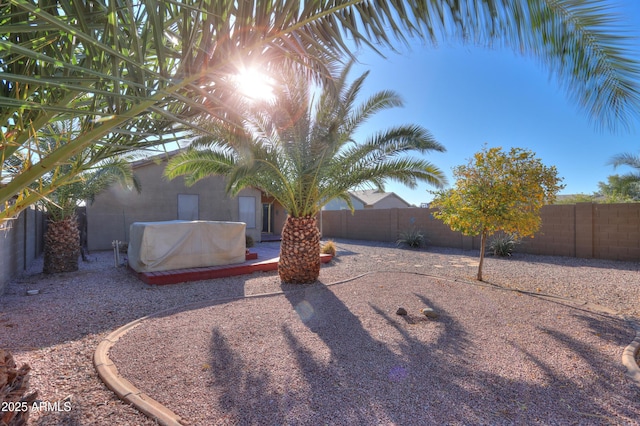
x=586, y=230
x=114, y=210
x=280, y=217
x=21, y=241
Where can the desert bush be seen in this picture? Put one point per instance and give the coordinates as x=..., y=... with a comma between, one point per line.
x=329, y=248
x=413, y=238
x=502, y=245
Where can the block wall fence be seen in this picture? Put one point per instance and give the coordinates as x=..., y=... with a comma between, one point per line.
x=585, y=230
x=21, y=241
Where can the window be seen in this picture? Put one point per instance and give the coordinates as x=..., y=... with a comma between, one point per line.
x=187, y=207
x=248, y=211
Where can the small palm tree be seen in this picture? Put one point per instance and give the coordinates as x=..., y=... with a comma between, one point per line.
x=79, y=179
x=301, y=150
x=62, y=238
x=62, y=246
x=628, y=185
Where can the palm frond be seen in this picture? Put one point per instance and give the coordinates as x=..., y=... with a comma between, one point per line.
x=298, y=151
x=625, y=159
x=391, y=143
x=199, y=164
x=118, y=65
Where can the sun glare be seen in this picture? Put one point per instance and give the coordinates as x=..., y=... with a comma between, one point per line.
x=255, y=85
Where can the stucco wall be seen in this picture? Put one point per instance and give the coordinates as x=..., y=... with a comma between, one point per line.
x=280, y=217
x=114, y=210
x=20, y=243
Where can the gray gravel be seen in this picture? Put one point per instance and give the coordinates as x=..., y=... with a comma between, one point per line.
x=335, y=352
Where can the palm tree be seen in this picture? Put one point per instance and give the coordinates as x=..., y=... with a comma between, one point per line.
x=14, y=388
x=302, y=152
x=627, y=159
x=626, y=186
x=62, y=245
x=91, y=171
x=139, y=68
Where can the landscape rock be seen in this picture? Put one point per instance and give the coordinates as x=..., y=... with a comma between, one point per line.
x=430, y=313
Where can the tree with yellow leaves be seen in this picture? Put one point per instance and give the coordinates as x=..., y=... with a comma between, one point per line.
x=497, y=191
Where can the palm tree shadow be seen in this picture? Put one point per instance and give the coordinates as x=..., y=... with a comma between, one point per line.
x=353, y=361
x=242, y=383
x=587, y=357
x=341, y=381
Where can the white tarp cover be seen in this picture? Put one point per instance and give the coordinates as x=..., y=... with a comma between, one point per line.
x=163, y=246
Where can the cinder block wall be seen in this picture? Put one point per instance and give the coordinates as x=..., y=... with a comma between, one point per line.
x=603, y=231
x=616, y=231
x=556, y=235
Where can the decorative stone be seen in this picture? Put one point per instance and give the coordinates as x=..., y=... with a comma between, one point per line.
x=429, y=313
x=401, y=311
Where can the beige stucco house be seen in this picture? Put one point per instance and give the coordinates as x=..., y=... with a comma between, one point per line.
x=110, y=216
x=369, y=199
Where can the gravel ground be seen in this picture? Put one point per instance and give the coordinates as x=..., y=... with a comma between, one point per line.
x=335, y=352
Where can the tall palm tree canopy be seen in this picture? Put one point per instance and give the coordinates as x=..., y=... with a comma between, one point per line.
x=301, y=150
x=136, y=71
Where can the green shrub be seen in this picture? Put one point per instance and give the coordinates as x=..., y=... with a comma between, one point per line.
x=413, y=238
x=502, y=245
x=248, y=241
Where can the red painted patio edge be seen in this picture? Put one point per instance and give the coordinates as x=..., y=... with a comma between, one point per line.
x=196, y=274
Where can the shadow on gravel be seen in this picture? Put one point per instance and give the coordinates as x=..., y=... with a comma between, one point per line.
x=357, y=362
x=65, y=304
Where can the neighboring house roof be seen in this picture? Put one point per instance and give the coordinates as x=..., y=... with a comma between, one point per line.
x=370, y=197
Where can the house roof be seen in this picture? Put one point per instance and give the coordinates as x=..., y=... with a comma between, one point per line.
x=155, y=158
x=369, y=197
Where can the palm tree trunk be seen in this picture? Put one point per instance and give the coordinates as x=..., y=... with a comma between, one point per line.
x=61, y=246
x=300, y=250
x=14, y=384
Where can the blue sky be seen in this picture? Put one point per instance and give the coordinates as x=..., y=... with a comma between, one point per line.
x=467, y=96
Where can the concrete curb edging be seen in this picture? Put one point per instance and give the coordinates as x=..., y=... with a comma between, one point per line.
x=124, y=389
x=629, y=356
